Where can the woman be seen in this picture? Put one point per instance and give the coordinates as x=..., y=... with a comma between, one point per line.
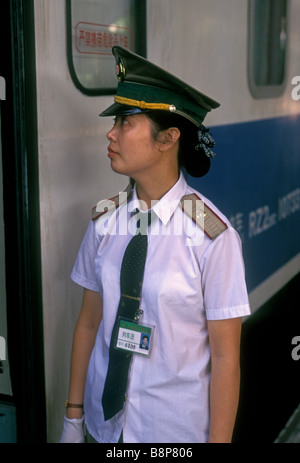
x=185, y=388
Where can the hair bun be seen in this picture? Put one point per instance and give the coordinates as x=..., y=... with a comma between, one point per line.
x=197, y=164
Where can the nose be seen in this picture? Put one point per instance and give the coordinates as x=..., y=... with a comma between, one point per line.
x=110, y=135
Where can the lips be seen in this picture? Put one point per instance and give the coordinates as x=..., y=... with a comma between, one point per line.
x=111, y=152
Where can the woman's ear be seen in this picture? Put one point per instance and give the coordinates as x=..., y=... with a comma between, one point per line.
x=168, y=138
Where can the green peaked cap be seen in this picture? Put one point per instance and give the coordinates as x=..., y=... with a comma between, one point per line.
x=144, y=86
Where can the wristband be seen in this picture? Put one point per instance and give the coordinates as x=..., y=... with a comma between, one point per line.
x=70, y=405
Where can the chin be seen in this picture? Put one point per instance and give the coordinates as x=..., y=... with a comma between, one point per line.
x=119, y=171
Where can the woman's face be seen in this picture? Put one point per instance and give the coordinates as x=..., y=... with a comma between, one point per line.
x=132, y=149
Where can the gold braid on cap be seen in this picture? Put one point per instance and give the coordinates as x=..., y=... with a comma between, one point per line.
x=142, y=104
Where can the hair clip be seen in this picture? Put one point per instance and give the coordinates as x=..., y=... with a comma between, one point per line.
x=206, y=142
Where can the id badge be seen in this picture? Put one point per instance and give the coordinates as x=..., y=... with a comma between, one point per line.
x=134, y=338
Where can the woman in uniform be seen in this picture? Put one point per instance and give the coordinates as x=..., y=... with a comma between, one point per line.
x=160, y=260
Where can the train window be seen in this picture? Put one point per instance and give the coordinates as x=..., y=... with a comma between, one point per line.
x=93, y=28
x=267, y=47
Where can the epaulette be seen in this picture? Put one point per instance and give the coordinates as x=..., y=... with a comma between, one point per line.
x=113, y=203
x=211, y=224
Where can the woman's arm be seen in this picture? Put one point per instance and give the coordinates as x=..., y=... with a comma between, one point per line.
x=224, y=338
x=83, y=342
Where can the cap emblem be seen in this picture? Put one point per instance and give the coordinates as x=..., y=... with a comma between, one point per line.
x=120, y=71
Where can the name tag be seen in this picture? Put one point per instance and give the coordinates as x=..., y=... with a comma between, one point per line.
x=134, y=338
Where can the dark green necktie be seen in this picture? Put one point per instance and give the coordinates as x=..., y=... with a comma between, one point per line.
x=131, y=278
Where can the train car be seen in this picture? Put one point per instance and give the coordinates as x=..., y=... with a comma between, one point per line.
x=57, y=74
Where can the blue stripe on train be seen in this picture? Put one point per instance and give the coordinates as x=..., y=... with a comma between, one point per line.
x=255, y=181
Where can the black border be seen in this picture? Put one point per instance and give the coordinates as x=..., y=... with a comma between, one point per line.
x=22, y=221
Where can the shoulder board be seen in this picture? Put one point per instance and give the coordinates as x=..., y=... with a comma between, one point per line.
x=111, y=204
x=211, y=224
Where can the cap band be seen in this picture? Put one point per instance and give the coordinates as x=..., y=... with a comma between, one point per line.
x=141, y=104
x=149, y=97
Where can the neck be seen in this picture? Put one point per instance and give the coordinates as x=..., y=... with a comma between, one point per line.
x=153, y=189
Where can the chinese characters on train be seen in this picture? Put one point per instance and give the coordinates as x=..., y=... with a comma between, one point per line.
x=263, y=218
x=99, y=39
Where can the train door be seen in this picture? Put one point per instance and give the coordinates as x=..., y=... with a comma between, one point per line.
x=22, y=380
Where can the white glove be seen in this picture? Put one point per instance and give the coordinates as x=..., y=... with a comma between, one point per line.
x=73, y=431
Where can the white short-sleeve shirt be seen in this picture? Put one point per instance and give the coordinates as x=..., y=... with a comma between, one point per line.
x=188, y=280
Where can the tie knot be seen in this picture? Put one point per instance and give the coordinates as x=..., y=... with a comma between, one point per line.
x=143, y=221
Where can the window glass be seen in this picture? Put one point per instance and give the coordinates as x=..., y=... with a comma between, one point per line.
x=268, y=46
x=94, y=27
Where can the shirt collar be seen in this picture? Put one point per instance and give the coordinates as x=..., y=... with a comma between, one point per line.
x=167, y=205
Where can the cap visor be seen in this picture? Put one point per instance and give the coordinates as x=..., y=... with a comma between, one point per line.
x=117, y=109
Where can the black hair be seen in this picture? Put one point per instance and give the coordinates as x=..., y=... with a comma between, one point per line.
x=195, y=161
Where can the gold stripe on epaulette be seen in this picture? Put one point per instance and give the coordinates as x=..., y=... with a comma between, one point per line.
x=211, y=224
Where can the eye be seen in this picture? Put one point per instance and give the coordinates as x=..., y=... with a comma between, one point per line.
x=121, y=120
x=124, y=120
